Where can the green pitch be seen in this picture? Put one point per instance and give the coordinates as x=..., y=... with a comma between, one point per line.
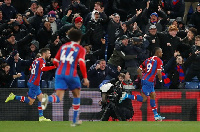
x=97, y=126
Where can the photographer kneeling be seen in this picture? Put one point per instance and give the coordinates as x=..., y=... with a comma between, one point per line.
x=111, y=93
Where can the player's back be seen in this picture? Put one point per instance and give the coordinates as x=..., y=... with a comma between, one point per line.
x=36, y=71
x=68, y=57
x=150, y=66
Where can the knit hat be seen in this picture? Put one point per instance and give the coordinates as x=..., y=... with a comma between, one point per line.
x=78, y=19
x=155, y=14
x=52, y=14
x=36, y=43
x=14, y=53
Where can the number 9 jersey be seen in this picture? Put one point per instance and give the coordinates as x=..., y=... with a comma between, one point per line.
x=150, y=67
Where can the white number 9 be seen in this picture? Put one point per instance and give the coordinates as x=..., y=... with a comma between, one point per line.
x=149, y=66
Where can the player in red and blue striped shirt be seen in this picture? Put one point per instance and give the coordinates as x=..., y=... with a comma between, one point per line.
x=67, y=59
x=37, y=68
x=151, y=67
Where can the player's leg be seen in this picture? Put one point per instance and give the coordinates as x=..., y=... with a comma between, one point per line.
x=154, y=108
x=60, y=87
x=29, y=100
x=140, y=98
x=40, y=110
x=76, y=105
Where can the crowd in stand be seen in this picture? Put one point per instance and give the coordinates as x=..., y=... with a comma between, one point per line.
x=117, y=35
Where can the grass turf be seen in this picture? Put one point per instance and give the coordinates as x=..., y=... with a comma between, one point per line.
x=97, y=126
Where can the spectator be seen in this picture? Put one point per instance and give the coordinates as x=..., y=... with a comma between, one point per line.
x=16, y=65
x=188, y=42
x=195, y=18
x=154, y=19
x=92, y=56
x=118, y=57
x=44, y=34
x=36, y=20
x=176, y=70
x=188, y=4
x=194, y=60
x=55, y=23
x=170, y=42
x=32, y=10
x=133, y=48
x=54, y=45
x=97, y=7
x=18, y=31
x=9, y=12
x=78, y=24
x=10, y=44
x=154, y=38
x=54, y=7
x=77, y=7
x=5, y=77
x=98, y=72
x=96, y=24
x=173, y=8
x=32, y=50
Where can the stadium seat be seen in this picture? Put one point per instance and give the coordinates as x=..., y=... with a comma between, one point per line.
x=21, y=83
x=50, y=84
x=192, y=85
x=43, y=84
x=195, y=79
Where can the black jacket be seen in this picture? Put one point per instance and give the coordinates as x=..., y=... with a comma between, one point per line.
x=96, y=77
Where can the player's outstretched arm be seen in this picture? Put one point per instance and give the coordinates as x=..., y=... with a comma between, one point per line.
x=47, y=68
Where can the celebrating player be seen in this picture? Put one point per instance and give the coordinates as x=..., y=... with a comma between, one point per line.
x=151, y=67
x=37, y=68
x=67, y=58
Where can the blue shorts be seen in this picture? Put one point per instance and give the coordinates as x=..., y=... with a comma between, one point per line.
x=34, y=90
x=147, y=87
x=64, y=82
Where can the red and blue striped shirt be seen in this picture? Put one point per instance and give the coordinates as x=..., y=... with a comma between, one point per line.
x=150, y=67
x=36, y=71
x=67, y=59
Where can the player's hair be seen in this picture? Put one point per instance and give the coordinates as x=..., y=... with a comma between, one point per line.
x=74, y=34
x=155, y=50
x=44, y=50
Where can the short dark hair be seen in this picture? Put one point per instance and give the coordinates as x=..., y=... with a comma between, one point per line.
x=197, y=37
x=4, y=65
x=155, y=50
x=44, y=50
x=193, y=30
x=74, y=34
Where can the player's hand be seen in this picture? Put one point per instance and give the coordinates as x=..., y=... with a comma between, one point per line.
x=86, y=82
